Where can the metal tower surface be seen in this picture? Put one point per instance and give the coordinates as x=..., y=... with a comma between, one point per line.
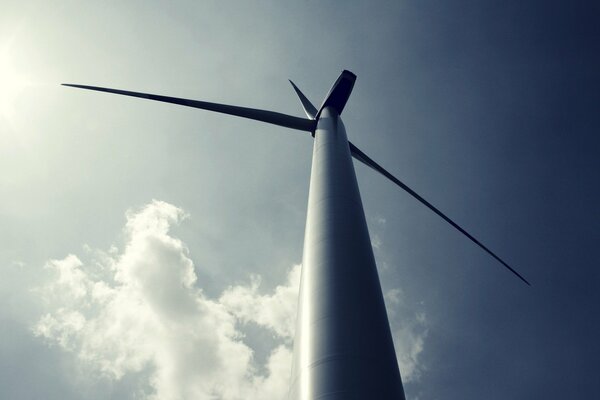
x=343, y=347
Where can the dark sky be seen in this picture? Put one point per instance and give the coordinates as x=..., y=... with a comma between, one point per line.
x=512, y=150
x=496, y=119
x=488, y=109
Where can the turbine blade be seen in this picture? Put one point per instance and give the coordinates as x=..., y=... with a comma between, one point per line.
x=270, y=117
x=309, y=109
x=362, y=157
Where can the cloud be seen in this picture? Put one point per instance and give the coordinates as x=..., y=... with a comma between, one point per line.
x=142, y=311
x=409, y=332
x=276, y=312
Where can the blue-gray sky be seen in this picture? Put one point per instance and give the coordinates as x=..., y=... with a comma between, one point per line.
x=488, y=109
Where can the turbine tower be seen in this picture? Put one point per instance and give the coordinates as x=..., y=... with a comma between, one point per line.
x=343, y=347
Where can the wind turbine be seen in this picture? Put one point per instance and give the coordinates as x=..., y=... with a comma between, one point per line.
x=343, y=347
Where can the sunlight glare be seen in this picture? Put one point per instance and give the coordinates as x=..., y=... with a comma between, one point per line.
x=12, y=83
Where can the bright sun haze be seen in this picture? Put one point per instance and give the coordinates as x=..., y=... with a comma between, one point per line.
x=12, y=83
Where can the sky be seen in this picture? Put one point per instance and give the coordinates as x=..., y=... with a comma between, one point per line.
x=154, y=251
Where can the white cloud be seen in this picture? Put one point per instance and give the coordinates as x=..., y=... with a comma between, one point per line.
x=276, y=312
x=376, y=241
x=142, y=311
x=410, y=331
x=409, y=341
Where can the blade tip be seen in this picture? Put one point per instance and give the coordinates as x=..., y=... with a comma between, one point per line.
x=521, y=277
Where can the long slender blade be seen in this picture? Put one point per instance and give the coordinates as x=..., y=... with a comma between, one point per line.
x=270, y=117
x=362, y=157
x=309, y=108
